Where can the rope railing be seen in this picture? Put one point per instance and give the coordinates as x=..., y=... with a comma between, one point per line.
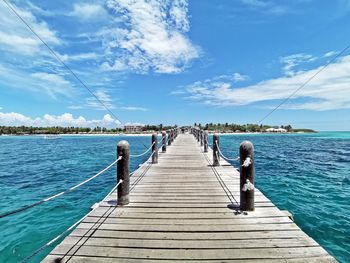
x=139, y=155
x=52, y=241
x=223, y=156
x=222, y=182
x=58, y=194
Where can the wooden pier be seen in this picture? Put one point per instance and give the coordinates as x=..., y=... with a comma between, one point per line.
x=183, y=209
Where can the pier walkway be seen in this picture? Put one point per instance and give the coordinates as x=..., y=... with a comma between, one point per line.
x=183, y=209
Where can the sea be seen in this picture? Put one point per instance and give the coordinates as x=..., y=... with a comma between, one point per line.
x=306, y=174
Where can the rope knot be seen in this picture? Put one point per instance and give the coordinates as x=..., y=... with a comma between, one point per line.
x=247, y=162
x=248, y=186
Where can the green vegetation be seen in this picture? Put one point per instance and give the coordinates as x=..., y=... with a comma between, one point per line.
x=223, y=128
x=51, y=130
x=22, y=130
x=229, y=128
x=304, y=130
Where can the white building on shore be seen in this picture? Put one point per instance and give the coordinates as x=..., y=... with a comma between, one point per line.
x=133, y=128
x=279, y=130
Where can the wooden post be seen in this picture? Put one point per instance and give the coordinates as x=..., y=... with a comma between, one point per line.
x=246, y=154
x=205, y=139
x=201, y=137
x=123, y=172
x=164, y=141
x=154, y=148
x=216, y=154
x=198, y=139
x=169, y=137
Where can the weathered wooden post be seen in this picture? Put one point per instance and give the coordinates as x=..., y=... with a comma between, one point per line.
x=216, y=154
x=164, y=141
x=201, y=137
x=246, y=154
x=205, y=141
x=169, y=137
x=123, y=172
x=154, y=148
x=198, y=132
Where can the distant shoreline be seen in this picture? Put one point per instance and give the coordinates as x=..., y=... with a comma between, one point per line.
x=145, y=134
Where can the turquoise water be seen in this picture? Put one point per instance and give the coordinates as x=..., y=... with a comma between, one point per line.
x=307, y=174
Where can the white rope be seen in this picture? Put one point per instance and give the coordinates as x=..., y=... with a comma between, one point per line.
x=59, y=194
x=248, y=186
x=139, y=155
x=223, y=156
x=66, y=231
x=247, y=162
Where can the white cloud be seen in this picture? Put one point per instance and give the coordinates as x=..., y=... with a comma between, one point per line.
x=79, y=57
x=330, y=54
x=42, y=82
x=64, y=120
x=152, y=37
x=132, y=108
x=268, y=7
x=239, y=77
x=1, y=108
x=52, y=83
x=88, y=11
x=75, y=107
x=15, y=36
x=256, y=3
x=327, y=91
x=292, y=61
x=92, y=102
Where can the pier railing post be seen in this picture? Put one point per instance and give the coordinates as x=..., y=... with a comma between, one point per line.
x=198, y=133
x=164, y=141
x=154, y=148
x=246, y=154
x=205, y=141
x=201, y=137
x=123, y=172
x=169, y=137
x=216, y=144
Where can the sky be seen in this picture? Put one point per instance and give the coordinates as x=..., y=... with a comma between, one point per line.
x=175, y=62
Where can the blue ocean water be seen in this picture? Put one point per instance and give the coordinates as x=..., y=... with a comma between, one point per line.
x=307, y=174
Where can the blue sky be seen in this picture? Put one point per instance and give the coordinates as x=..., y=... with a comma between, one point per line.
x=176, y=62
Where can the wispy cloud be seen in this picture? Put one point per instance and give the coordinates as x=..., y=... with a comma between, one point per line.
x=103, y=97
x=51, y=84
x=328, y=91
x=269, y=7
x=79, y=56
x=151, y=37
x=331, y=53
x=292, y=61
x=64, y=120
x=15, y=37
x=87, y=11
x=133, y=108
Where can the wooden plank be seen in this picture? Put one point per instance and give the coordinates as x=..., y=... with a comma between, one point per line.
x=199, y=254
x=91, y=259
x=239, y=235
x=72, y=241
